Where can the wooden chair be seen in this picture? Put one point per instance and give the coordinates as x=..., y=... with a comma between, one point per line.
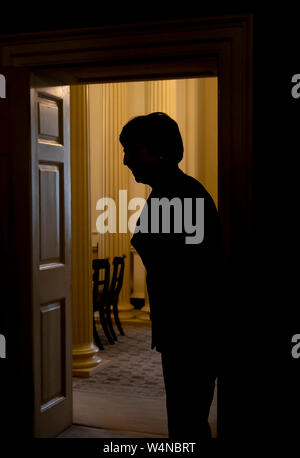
x=101, y=303
x=114, y=291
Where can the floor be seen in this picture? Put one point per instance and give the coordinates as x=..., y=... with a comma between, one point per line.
x=126, y=397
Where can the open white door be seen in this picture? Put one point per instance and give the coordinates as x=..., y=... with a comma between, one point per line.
x=51, y=246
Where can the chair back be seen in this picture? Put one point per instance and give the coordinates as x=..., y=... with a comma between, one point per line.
x=118, y=275
x=101, y=276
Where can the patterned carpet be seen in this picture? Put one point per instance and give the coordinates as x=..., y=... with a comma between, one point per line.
x=128, y=367
x=126, y=396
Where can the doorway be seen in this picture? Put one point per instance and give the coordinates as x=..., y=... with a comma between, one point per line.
x=193, y=103
x=212, y=46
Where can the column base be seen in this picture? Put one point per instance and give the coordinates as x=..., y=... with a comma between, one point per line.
x=126, y=312
x=85, y=360
x=144, y=314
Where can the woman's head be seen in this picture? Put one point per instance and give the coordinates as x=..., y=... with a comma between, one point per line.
x=150, y=143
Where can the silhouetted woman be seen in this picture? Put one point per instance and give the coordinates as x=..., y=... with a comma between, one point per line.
x=179, y=245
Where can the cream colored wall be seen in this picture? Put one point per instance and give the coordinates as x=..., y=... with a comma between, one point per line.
x=106, y=116
x=208, y=166
x=136, y=105
x=191, y=102
x=197, y=117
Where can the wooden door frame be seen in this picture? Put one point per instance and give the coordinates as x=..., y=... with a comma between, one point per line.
x=211, y=46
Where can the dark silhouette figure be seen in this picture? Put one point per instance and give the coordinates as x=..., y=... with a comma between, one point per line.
x=183, y=279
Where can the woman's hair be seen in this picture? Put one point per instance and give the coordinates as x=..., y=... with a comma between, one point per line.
x=158, y=132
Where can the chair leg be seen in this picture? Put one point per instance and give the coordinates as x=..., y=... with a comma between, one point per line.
x=109, y=322
x=104, y=326
x=96, y=336
x=116, y=317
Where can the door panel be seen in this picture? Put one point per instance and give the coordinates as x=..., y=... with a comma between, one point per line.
x=51, y=206
x=51, y=259
x=52, y=354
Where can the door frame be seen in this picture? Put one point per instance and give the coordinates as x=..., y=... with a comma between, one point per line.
x=210, y=46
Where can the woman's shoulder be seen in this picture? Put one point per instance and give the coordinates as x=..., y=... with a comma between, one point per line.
x=189, y=184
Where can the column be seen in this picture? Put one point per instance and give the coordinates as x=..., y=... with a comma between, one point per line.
x=84, y=353
x=108, y=116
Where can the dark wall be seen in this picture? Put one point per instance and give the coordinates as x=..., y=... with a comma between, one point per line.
x=34, y=20
x=271, y=316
